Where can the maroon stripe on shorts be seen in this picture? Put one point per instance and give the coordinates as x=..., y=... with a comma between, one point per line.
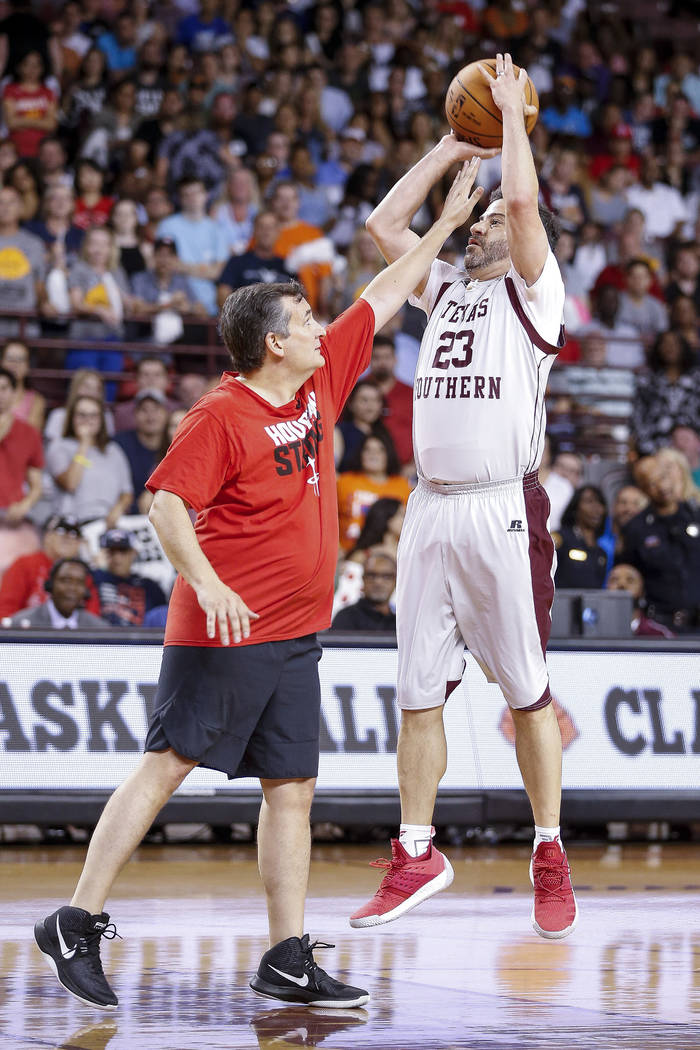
x=545, y=699
x=541, y=553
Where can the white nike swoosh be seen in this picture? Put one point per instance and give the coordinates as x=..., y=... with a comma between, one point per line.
x=301, y=981
x=66, y=952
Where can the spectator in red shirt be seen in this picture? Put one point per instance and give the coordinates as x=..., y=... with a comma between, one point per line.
x=21, y=457
x=398, y=399
x=255, y=459
x=23, y=582
x=92, y=206
x=30, y=108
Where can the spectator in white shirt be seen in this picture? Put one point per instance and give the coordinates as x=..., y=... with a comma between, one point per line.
x=662, y=206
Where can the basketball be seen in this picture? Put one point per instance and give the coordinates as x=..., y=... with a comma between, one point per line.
x=471, y=110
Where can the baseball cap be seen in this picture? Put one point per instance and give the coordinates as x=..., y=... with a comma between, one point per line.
x=64, y=523
x=165, y=242
x=153, y=394
x=117, y=540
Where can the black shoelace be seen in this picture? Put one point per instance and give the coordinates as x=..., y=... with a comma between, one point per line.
x=89, y=944
x=310, y=963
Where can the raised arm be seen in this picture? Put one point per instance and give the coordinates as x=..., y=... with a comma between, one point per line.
x=390, y=289
x=527, y=240
x=390, y=221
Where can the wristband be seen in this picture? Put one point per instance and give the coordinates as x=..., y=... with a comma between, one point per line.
x=82, y=460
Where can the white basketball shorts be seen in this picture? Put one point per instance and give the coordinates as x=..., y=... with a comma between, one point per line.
x=475, y=567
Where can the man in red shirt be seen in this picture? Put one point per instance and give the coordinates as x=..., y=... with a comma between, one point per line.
x=254, y=459
x=23, y=581
x=21, y=457
x=398, y=399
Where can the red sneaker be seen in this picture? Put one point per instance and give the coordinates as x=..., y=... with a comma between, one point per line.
x=408, y=882
x=555, y=912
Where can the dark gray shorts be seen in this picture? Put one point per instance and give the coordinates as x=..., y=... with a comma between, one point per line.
x=248, y=711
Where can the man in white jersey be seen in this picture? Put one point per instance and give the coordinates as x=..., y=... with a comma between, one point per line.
x=475, y=561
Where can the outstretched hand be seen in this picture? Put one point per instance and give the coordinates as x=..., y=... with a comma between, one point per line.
x=461, y=201
x=507, y=89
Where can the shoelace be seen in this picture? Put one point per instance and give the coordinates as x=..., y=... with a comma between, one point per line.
x=539, y=877
x=390, y=867
x=89, y=944
x=310, y=963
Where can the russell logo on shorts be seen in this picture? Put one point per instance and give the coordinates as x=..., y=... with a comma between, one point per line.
x=516, y=525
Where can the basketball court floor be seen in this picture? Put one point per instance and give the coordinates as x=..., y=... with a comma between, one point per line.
x=463, y=971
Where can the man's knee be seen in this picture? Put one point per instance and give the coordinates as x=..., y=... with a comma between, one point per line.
x=421, y=720
x=289, y=794
x=168, y=767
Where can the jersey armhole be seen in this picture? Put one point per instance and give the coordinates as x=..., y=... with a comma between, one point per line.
x=539, y=341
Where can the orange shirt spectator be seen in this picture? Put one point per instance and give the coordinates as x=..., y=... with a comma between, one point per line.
x=377, y=475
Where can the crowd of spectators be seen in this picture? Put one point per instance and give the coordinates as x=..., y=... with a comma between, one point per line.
x=156, y=156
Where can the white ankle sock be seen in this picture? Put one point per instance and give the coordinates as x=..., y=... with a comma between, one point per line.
x=546, y=835
x=415, y=838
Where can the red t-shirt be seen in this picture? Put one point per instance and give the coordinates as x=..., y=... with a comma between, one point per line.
x=29, y=105
x=399, y=419
x=96, y=215
x=19, y=449
x=23, y=585
x=262, y=480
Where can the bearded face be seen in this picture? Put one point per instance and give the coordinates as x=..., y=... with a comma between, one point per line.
x=483, y=252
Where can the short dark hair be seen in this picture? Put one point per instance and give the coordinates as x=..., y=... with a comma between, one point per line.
x=190, y=180
x=10, y=376
x=383, y=340
x=249, y=315
x=552, y=226
x=150, y=359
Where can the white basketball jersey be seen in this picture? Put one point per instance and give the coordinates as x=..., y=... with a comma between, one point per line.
x=478, y=396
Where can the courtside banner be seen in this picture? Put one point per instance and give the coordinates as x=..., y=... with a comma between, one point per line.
x=75, y=716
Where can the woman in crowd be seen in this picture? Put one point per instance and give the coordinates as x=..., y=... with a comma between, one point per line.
x=382, y=528
x=99, y=295
x=667, y=394
x=581, y=561
x=93, y=206
x=85, y=382
x=676, y=466
x=362, y=416
x=28, y=405
x=364, y=263
x=23, y=177
x=124, y=222
x=86, y=98
x=374, y=472
x=89, y=474
x=29, y=105
x=113, y=127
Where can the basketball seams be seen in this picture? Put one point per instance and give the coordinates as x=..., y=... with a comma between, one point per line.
x=466, y=111
x=494, y=116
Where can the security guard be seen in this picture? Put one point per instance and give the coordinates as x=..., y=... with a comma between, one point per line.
x=663, y=542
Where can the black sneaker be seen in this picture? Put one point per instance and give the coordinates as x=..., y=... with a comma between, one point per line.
x=70, y=940
x=288, y=972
